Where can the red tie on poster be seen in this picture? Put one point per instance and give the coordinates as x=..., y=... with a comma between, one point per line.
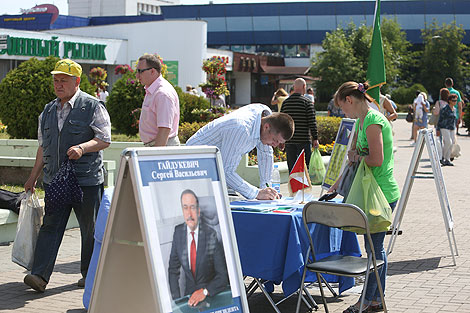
x=193, y=255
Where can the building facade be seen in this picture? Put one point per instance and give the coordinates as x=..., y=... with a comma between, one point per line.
x=86, y=8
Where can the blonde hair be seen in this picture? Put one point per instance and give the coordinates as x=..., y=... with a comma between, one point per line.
x=281, y=93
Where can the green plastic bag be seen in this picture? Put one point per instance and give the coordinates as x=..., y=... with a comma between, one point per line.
x=316, y=169
x=367, y=195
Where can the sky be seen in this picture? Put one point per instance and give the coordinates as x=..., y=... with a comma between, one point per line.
x=14, y=6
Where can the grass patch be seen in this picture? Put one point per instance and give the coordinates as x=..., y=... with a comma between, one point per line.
x=18, y=188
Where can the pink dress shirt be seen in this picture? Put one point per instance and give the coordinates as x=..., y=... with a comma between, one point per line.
x=161, y=108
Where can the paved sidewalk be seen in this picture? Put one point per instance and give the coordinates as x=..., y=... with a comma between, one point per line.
x=421, y=275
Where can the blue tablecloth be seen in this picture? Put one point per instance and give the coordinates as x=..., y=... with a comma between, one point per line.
x=272, y=246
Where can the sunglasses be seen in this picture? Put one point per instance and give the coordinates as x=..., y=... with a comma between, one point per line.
x=141, y=70
x=453, y=100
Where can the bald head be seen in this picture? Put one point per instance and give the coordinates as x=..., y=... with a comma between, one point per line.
x=299, y=86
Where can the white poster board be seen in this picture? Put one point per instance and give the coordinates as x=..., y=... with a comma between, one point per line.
x=145, y=261
x=425, y=138
x=339, y=154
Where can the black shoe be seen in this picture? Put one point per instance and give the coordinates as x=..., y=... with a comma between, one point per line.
x=36, y=282
x=443, y=163
x=448, y=163
x=81, y=282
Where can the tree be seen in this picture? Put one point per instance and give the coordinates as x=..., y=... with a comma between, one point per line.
x=346, y=52
x=442, y=56
x=396, y=52
x=335, y=65
x=25, y=91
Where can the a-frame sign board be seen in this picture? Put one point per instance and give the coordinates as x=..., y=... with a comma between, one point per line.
x=140, y=267
x=425, y=137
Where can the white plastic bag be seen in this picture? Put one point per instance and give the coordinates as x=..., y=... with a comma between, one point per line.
x=29, y=223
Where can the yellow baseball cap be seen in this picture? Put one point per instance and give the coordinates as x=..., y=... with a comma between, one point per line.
x=67, y=67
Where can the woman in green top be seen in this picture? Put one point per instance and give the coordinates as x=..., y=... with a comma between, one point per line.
x=374, y=143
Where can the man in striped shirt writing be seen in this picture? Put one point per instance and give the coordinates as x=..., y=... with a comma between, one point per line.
x=302, y=112
x=237, y=133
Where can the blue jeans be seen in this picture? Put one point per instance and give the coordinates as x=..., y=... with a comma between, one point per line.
x=293, y=151
x=372, y=290
x=53, y=228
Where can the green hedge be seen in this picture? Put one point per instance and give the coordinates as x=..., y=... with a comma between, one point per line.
x=25, y=91
x=403, y=95
x=327, y=127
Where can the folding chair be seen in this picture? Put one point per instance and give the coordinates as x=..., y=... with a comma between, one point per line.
x=339, y=215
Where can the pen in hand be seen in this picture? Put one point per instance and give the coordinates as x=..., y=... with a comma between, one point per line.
x=278, y=194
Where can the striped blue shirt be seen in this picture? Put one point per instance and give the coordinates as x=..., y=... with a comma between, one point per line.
x=236, y=134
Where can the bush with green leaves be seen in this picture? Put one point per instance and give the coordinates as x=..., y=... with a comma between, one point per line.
x=403, y=95
x=25, y=91
x=190, y=106
x=186, y=130
x=125, y=101
x=327, y=127
x=126, y=96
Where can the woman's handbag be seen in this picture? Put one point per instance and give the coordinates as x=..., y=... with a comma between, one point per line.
x=367, y=195
x=316, y=169
x=409, y=117
x=347, y=178
x=435, y=114
x=29, y=223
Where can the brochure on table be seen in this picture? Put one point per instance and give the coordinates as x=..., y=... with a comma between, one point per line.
x=144, y=218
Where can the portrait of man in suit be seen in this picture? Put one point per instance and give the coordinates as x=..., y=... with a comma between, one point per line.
x=197, y=253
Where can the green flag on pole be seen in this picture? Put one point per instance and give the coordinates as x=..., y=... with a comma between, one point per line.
x=376, y=67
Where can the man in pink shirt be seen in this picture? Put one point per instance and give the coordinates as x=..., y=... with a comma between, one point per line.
x=159, y=119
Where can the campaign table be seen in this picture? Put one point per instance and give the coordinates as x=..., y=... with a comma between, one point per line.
x=272, y=246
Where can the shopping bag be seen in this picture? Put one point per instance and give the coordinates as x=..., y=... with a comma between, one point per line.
x=455, y=152
x=63, y=189
x=367, y=195
x=316, y=168
x=29, y=223
x=347, y=179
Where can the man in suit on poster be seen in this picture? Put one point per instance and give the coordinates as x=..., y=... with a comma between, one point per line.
x=197, y=251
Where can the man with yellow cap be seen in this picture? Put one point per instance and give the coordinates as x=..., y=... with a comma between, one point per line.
x=76, y=126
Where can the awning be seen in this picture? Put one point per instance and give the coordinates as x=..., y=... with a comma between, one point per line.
x=285, y=70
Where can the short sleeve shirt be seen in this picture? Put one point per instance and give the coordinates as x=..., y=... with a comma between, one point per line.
x=383, y=174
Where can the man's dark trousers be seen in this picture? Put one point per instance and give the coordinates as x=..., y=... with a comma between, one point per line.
x=53, y=228
x=293, y=151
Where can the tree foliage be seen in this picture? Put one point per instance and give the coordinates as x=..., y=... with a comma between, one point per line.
x=25, y=91
x=335, y=65
x=442, y=56
x=346, y=53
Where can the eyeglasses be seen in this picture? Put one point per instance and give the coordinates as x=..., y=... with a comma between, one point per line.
x=141, y=70
x=453, y=100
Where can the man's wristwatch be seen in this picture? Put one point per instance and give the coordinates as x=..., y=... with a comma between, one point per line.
x=205, y=292
x=83, y=150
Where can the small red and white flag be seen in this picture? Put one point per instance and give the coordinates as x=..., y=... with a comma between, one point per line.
x=299, y=178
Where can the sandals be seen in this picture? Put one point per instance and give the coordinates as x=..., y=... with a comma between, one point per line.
x=375, y=308
x=354, y=309
x=370, y=308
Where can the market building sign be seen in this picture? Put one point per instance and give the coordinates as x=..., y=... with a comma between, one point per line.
x=44, y=48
